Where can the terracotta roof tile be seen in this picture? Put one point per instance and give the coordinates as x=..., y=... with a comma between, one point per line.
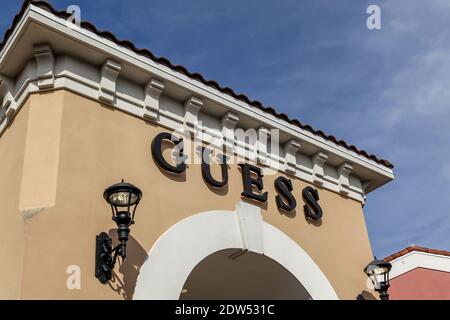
x=417, y=249
x=196, y=76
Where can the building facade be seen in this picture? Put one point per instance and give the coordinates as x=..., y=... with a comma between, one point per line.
x=420, y=273
x=81, y=110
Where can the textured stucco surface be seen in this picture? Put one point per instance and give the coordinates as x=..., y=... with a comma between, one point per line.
x=78, y=148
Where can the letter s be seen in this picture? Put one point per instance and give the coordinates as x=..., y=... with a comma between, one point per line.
x=312, y=207
x=285, y=200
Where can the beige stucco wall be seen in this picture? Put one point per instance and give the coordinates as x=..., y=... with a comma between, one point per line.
x=81, y=147
x=12, y=244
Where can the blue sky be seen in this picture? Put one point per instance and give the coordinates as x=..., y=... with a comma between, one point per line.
x=386, y=91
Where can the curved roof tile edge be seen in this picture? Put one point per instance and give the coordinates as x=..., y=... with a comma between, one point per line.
x=416, y=249
x=195, y=76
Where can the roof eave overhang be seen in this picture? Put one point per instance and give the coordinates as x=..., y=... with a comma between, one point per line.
x=40, y=26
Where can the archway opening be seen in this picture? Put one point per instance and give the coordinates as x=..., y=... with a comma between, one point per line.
x=235, y=275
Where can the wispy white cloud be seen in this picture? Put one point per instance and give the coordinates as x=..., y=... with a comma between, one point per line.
x=411, y=118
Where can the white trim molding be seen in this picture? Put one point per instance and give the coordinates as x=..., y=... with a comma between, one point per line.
x=417, y=259
x=78, y=77
x=176, y=253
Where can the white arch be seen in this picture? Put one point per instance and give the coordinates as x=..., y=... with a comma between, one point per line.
x=191, y=240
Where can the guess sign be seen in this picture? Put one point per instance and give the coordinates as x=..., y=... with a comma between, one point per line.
x=252, y=178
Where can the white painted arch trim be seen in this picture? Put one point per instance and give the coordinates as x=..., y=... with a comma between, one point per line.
x=187, y=243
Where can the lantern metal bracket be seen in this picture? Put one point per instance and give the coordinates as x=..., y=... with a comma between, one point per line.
x=104, y=258
x=123, y=199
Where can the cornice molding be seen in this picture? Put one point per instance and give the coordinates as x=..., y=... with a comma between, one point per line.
x=70, y=77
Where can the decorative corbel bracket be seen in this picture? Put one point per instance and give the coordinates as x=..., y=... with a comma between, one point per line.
x=344, y=171
x=263, y=142
x=191, y=109
x=365, y=186
x=229, y=122
x=8, y=102
x=318, y=162
x=45, y=64
x=153, y=91
x=291, y=148
x=108, y=78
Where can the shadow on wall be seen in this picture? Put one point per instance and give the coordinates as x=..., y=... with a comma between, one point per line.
x=125, y=282
x=366, y=295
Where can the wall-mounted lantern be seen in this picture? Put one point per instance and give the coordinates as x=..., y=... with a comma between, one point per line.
x=378, y=272
x=124, y=199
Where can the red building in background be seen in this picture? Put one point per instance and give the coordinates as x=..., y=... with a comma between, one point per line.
x=420, y=274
